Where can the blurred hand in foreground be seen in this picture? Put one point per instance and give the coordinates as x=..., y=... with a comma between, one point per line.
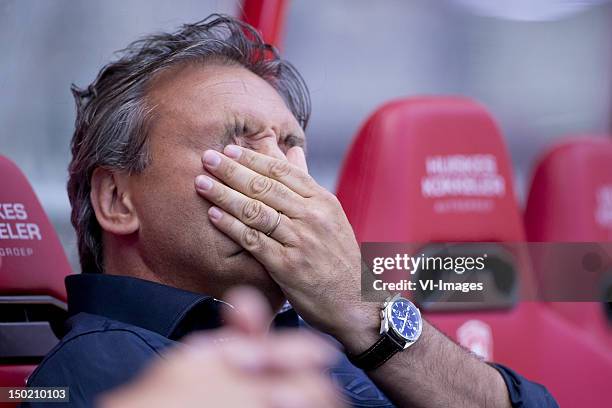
x=241, y=365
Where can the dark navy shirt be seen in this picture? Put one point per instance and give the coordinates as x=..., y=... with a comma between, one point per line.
x=117, y=325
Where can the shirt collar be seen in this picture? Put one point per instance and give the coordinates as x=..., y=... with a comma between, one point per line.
x=163, y=309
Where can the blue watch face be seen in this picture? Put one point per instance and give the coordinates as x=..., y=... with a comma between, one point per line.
x=405, y=319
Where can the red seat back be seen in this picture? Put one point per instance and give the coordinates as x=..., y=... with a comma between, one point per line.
x=32, y=272
x=409, y=156
x=570, y=198
x=436, y=170
x=426, y=170
x=570, y=201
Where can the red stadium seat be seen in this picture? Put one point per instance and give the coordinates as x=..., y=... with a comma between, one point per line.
x=394, y=157
x=32, y=271
x=570, y=200
x=430, y=170
x=571, y=192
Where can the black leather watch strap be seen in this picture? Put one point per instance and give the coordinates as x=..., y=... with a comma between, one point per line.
x=377, y=355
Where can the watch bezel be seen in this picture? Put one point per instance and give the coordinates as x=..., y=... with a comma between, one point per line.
x=392, y=331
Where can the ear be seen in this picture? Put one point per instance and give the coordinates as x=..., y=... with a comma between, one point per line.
x=112, y=203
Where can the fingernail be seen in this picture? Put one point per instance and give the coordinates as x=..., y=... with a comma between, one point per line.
x=232, y=151
x=212, y=158
x=215, y=213
x=203, y=182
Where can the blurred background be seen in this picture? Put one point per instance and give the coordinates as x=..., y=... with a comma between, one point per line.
x=543, y=69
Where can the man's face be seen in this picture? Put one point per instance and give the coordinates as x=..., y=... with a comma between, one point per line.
x=197, y=108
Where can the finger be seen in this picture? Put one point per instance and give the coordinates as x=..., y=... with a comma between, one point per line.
x=303, y=391
x=251, y=212
x=266, y=250
x=281, y=170
x=287, y=351
x=251, y=314
x=247, y=354
x=274, y=152
x=272, y=355
x=252, y=184
x=283, y=351
x=297, y=350
x=296, y=156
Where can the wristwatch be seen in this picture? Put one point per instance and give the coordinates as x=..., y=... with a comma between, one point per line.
x=400, y=327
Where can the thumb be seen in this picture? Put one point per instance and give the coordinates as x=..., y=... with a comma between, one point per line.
x=296, y=156
x=251, y=315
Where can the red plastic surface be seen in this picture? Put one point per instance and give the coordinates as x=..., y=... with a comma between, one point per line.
x=571, y=193
x=268, y=17
x=381, y=184
x=383, y=188
x=14, y=376
x=570, y=200
x=32, y=259
x=34, y=262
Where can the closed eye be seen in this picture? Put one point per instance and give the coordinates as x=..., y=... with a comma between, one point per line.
x=291, y=140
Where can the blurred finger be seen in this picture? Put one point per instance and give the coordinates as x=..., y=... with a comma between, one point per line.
x=298, y=351
x=251, y=314
x=304, y=391
x=287, y=352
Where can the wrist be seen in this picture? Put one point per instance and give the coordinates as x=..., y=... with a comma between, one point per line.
x=358, y=327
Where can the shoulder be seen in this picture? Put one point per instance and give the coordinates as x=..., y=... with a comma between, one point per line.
x=97, y=354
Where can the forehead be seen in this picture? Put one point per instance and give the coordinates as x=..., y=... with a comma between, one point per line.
x=208, y=95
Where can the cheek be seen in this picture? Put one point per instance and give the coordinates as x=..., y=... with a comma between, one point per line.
x=167, y=203
x=168, y=182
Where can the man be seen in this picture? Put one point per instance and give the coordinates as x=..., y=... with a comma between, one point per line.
x=188, y=178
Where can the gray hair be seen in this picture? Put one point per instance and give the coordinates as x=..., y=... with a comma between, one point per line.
x=113, y=116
